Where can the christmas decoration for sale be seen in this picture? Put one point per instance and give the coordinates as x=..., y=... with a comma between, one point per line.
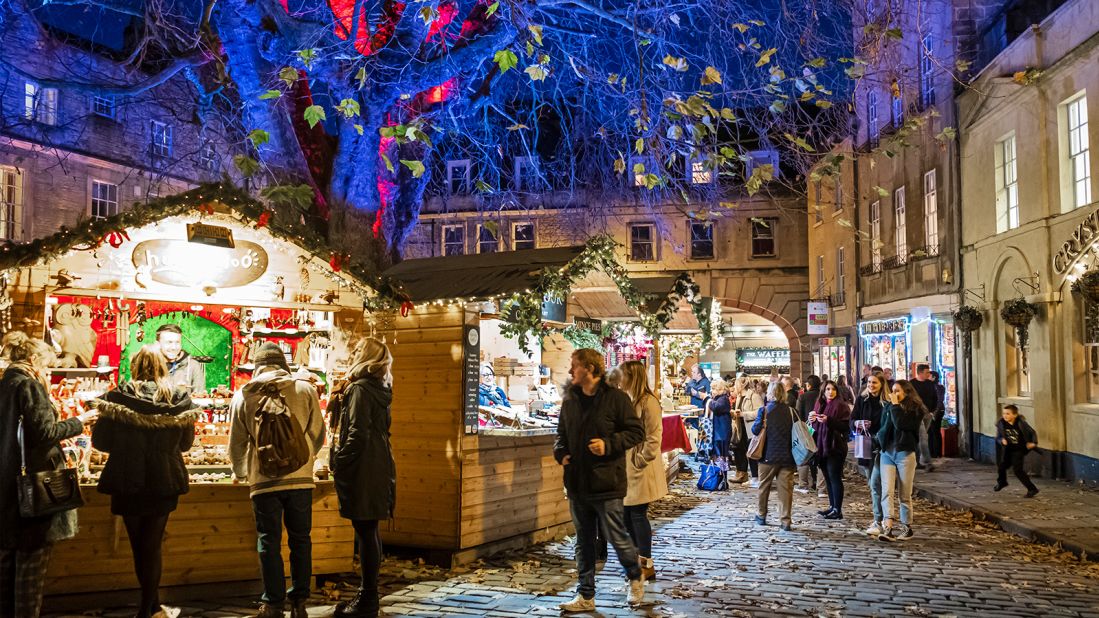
x=583, y=338
x=1018, y=313
x=1087, y=285
x=968, y=319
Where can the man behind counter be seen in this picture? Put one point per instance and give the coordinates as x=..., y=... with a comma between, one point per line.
x=183, y=369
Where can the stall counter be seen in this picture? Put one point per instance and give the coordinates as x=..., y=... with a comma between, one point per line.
x=211, y=538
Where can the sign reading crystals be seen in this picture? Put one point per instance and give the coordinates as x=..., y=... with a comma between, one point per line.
x=184, y=264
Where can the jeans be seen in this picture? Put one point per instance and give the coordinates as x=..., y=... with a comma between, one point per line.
x=925, y=447
x=894, y=465
x=293, y=507
x=1013, y=458
x=639, y=528
x=586, y=517
x=832, y=468
x=873, y=481
x=785, y=477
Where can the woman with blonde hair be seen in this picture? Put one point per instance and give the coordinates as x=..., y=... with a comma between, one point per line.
x=719, y=409
x=365, y=475
x=645, y=478
x=146, y=425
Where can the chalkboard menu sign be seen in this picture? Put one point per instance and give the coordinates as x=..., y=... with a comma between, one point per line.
x=471, y=379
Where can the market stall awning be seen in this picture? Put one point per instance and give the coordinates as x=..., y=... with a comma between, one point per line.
x=601, y=300
x=479, y=276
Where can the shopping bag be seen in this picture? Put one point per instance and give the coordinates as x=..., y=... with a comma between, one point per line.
x=712, y=478
x=756, y=446
x=802, y=446
x=864, y=444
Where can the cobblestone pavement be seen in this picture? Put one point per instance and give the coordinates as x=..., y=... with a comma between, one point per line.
x=713, y=560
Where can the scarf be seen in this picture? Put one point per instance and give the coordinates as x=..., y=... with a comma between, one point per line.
x=823, y=433
x=30, y=369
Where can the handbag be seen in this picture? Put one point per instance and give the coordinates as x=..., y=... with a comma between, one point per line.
x=756, y=446
x=802, y=446
x=864, y=444
x=712, y=478
x=46, y=493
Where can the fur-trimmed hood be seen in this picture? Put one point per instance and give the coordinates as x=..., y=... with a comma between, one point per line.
x=134, y=404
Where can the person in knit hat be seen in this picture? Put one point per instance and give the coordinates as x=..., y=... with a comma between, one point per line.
x=286, y=498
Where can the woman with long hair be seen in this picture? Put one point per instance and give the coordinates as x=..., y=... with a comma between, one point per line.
x=866, y=421
x=777, y=462
x=899, y=437
x=646, y=482
x=146, y=425
x=365, y=475
x=739, y=437
x=719, y=410
x=845, y=390
x=750, y=407
x=830, y=420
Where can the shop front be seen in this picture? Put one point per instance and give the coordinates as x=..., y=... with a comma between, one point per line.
x=902, y=343
x=830, y=357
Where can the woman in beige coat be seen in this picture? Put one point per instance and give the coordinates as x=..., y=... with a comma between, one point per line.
x=644, y=467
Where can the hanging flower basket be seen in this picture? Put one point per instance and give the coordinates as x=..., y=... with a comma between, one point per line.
x=968, y=319
x=1019, y=313
x=1088, y=286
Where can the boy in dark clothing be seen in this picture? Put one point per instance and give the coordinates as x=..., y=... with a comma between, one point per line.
x=1014, y=439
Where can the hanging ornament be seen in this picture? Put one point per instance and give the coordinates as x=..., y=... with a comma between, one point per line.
x=206, y=209
x=406, y=308
x=338, y=261
x=264, y=219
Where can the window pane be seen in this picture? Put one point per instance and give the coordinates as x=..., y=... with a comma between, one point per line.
x=454, y=240
x=641, y=243
x=523, y=236
x=702, y=240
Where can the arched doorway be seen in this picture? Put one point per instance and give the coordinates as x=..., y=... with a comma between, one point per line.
x=755, y=344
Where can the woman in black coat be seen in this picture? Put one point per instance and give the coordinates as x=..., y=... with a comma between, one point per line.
x=25, y=544
x=145, y=425
x=866, y=421
x=364, y=473
x=777, y=463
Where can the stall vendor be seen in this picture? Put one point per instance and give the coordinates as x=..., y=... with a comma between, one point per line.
x=698, y=387
x=490, y=394
x=183, y=369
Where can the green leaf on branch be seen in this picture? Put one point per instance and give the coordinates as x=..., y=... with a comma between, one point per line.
x=518, y=127
x=756, y=22
x=296, y=196
x=482, y=186
x=506, y=60
x=361, y=77
x=882, y=192
x=247, y=165
x=289, y=76
x=359, y=129
x=348, y=107
x=536, y=72
x=314, y=114
x=855, y=71
x=270, y=94
x=492, y=8
x=894, y=33
x=492, y=227
x=619, y=165
x=536, y=32
x=414, y=166
x=821, y=103
x=639, y=145
x=778, y=107
x=259, y=137
x=428, y=14
x=947, y=135
x=388, y=163
x=818, y=63
x=765, y=57
x=711, y=76
x=307, y=56
x=742, y=28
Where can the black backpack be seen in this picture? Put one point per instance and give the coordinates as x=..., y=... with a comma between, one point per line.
x=280, y=441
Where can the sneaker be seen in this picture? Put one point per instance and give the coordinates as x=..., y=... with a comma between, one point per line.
x=825, y=512
x=754, y=483
x=1032, y=492
x=636, y=594
x=741, y=477
x=784, y=527
x=801, y=490
x=822, y=494
x=999, y=486
x=579, y=604
x=761, y=521
x=902, y=532
x=887, y=535
x=270, y=610
x=168, y=612
x=874, y=529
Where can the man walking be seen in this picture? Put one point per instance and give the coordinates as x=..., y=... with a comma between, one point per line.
x=930, y=435
x=597, y=426
x=278, y=499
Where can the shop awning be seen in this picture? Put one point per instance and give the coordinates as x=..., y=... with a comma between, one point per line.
x=481, y=275
x=601, y=299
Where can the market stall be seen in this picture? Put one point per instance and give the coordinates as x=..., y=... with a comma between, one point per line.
x=228, y=278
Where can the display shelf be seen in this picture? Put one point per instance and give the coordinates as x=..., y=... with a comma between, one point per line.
x=82, y=371
x=287, y=332
x=293, y=368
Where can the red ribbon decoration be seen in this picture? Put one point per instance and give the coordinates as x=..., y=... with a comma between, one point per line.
x=337, y=261
x=206, y=209
x=116, y=238
x=406, y=308
x=264, y=219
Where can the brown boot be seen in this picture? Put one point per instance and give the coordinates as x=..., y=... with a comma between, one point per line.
x=741, y=477
x=648, y=570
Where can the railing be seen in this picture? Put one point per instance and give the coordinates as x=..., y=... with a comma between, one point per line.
x=869, y=269
x=926, y=252
x=895, y=261
x=839, y=299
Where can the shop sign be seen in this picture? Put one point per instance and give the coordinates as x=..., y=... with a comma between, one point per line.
x=588, y=324
x=882, y=327
x=471, y=378
x=1082, y=238
x=764, y=357
x=553, y=310
x=818, y=317
x=832, y=342
x=213, y=235
x=184, y=264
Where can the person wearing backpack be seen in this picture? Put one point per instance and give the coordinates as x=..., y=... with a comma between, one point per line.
x=277, y=429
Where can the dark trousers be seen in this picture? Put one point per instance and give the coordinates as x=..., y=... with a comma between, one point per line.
x=832, y=467
x=22, y=575
x=1013, y=458
x=370, y=559
x=294, y=508
x=587, y=516
x=753, y=467
x=146, y=533
x=739, y=446
x=639, y=528
x=935, y=437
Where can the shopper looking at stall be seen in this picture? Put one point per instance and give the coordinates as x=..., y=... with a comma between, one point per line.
x=830, y=420
x=362, y=463
x=26, y=544
x=698, y=387
x=489, y=394
x=807, y=474
x=899, y=438
x=865, y=424
x=739, y=440
x=750, y=405
x=146, y=425
x=778, y=459
x=719, y=410
x=645, y=479
x=597, y=427
x=278, y=495
x=183, y=369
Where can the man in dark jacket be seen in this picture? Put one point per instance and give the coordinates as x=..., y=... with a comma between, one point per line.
x=931, y=439
x=597, y=426
x=807, y=476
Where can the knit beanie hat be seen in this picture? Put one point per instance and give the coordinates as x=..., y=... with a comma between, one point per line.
x=271, y=355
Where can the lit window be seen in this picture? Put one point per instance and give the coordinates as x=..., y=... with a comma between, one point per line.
x=104, y=199
x=642, y=242
x=702, y=240
x=927, y=72
x=522, y=236
x=820, y=276
x=527, y=175
x=487, y=242
x=872, y=126
x=454, y=240
x=1091, y=348
x=103, y=106
x=875, y=234
x=458, y=177
x=931, y=212
x=1007, y=186
x=898, y=111
x=817, y=206
x=701, y=171
x=11, y=203
x=1018, y=369
x=161, y=142
x=901, y=223
x=763, y=237
x=1079, y=157
x=40, y=104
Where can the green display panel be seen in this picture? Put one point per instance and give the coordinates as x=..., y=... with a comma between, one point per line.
x=201, y=337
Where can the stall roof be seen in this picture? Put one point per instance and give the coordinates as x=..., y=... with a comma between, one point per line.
x=601, y=300
x=477, y=276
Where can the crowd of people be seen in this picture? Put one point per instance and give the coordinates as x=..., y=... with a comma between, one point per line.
x=148, y=422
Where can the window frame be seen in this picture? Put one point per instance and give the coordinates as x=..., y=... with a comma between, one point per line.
x=652, y=242
x=97, y=201
x=104, y=107
x=755, y=157
x=818, y=206
x=443, y=238
x=838, y=195
x=875, y=234
x=467, y=180
x=927, y=71
x=208, y=158
x=896, y=109
x=1078, y=144
x=1007, y=183
x=931, y=209
x=12, y=203
x=819, y=287
x=40, y=104
x=692, y=173
x=873, y=121
x=1089, y=340
x=520, y=162
x=159, y=150
x=481, y=242
x=691, y=240
x=900, y=223
x=515, y=236
x=755, y=234
x=841, y=276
